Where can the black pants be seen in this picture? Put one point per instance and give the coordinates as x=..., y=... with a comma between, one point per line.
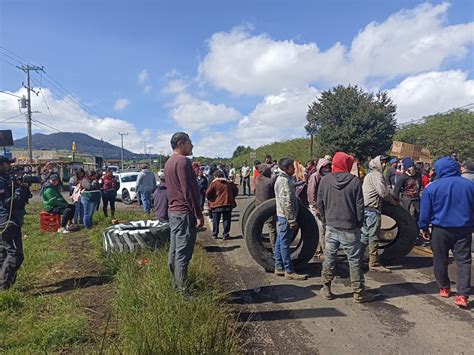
x=459, y=242
x=216, y=219
x=11, y=258
x=246, y=184
x=106, y=199
x=67, y=215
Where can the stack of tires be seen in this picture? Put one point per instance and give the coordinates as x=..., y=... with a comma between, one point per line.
x=404, y=232
x=136, y=236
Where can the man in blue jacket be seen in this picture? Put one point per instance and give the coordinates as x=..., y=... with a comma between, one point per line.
x=448, y=205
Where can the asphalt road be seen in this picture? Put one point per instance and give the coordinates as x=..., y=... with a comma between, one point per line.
x=290, y=317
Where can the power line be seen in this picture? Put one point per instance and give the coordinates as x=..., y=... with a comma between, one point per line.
x=8, y=93
x=12, y=117
x=418, y=120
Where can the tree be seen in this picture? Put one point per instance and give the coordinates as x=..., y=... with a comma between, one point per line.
x=443, y=134
x=240, y=150
x=351, y=120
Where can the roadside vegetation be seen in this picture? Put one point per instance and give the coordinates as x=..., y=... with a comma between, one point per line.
x=70, y=297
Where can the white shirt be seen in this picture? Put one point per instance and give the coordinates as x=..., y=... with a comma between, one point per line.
x=245, y=171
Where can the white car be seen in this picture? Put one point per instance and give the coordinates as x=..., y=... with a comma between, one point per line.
x=127, y=192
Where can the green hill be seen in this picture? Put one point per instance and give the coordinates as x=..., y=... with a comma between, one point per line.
x=298, y=148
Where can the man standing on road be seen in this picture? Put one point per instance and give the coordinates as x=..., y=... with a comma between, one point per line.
x=341, y=207
x=391, y=173
x=375, y=191
x=185, y=213
x=245, y=174
x=146, y=184
x=448, y=205
x=287, y=211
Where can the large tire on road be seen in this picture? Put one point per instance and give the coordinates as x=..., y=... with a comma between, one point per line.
x=136, y=236
x=261, y=251
x=406, y=234
x=244, y=215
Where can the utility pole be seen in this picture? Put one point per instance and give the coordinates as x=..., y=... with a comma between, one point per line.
x=121, y=136
x=149, y=156
x=27, y=68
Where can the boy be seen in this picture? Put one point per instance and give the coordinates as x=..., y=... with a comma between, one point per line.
x=287, y=211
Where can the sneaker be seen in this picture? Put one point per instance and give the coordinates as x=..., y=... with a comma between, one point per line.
x=379, y=268
x=63, y=230
x=214, y=236
x=445, y=292
x=326, y=293
x=363, y=297
x=295, y=276
x=225, y=237
x=461, y=301
x=280, y=272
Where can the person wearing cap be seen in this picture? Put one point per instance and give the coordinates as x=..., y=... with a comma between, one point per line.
x=341, y=208
x=160, y=200
x=391, y=173
x=408, y=188
x=375, y=193
x=54, y=202
x=447, y=205
x=12, y=211
x=265, y=190
x=467, y=169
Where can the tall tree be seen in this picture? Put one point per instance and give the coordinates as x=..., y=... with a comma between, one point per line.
x=443, y=134
x=352, y=120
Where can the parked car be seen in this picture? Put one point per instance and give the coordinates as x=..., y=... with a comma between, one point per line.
x=127, y=192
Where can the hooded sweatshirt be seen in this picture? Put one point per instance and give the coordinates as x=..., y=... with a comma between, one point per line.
x=340, y=200
x=408, y=185
x=314, y=180
x=448, y=202
x=374, y=187
x=146, y=181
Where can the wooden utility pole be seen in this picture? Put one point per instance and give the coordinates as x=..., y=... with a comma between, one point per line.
x=27, y=68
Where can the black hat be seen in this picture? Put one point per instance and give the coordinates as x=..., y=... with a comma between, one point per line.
x=4, y=159
x=54, y=177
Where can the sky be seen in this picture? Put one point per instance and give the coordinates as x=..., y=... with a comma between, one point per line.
x=227, y=72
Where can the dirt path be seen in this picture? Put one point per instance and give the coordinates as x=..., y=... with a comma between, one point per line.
x=289, y=317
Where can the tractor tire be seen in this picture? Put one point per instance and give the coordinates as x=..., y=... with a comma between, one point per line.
x=301, y=254
x=244, y=215
x=406, y=236
x=136, y=236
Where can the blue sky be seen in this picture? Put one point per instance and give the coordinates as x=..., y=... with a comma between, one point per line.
x=229, y=72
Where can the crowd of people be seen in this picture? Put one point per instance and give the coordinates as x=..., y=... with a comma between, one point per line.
x=345, y=200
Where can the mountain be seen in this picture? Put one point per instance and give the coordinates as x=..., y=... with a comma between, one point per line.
x=84, y=144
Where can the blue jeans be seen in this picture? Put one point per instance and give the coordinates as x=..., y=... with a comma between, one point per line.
x=349, y=240
x=146, y=200
x=78, y=213
x=89, y=207
x=282, y=246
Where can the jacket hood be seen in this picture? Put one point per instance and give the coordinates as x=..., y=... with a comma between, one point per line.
x=376, y=164
x=340, y=180
x=446, y=167
x=342, y=162
x=322, y=162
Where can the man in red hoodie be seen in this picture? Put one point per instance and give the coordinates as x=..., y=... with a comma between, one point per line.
x=341, y=206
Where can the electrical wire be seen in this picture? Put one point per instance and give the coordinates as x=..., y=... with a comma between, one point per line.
x=8, y=93
x=12, y=117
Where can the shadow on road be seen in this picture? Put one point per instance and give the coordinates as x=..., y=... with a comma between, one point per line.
x=413, y=263
x=274, y=294
x=218, y=249
x=282, y=314
x=407, y=289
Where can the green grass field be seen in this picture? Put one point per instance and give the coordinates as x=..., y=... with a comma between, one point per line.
x=137, y=311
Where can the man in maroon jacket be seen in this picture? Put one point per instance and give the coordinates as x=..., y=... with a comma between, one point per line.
x=185, y=213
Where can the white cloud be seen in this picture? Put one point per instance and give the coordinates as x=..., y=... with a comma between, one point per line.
x=408, y=42
x=430, y=93
x=147, y=89
x=68, y=116
x=277, y=117
x=120, y=104
x=192, y=113
x=143, y=76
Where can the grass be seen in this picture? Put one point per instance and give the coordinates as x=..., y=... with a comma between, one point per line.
x=147, y=315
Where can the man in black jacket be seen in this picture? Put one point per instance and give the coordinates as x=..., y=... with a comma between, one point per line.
x=341, y=207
